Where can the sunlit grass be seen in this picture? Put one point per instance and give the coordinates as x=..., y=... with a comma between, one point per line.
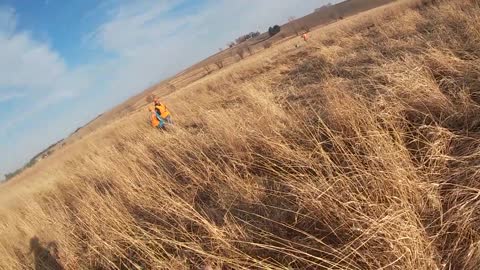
x=358, y=150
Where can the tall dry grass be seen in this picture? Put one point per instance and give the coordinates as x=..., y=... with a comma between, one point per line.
x=359, y=150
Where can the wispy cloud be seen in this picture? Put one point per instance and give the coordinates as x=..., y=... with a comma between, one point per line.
x=35, y=68
x=32, y=70
x=26, y=63
x=8, y=20
x=4, y=97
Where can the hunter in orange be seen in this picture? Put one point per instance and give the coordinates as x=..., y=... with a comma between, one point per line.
x=162, y=110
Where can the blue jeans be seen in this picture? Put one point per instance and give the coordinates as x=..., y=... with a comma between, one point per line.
x=161, y=125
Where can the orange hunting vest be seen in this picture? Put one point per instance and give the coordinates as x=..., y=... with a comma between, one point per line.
x=162, y=110
x=154, y=119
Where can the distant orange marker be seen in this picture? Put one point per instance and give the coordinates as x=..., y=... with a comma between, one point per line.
x=305, y=37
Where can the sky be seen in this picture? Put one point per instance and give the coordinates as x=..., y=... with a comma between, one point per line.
x=62, y=63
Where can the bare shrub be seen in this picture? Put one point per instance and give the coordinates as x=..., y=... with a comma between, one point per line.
x=208, y=69
x=306, y=28
x=294, y=25
x=241, y=52
x=150, y=98
x=267, y=44
x=219, y=64
x=171, y=86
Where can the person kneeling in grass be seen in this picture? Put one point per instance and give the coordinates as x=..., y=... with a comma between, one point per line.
x=155, y=119
x=162, y=110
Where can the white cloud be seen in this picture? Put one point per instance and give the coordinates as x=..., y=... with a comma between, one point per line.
x=4, y=97
x=7, y=20
x=33, y=71
x=25, y=63
x=135, y=27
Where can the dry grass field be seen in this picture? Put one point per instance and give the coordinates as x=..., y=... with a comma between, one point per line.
x=357, y=150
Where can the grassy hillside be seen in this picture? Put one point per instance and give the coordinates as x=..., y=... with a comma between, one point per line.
x=331, y=13
x=357, y=150
x=315, y=19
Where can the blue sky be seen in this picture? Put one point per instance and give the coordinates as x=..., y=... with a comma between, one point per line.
x=64, y=62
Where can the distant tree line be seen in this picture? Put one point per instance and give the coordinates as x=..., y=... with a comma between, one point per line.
x=273, y=30
x=9, y=176
x=323, y=7
x=246, y=37
x=33, y=160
